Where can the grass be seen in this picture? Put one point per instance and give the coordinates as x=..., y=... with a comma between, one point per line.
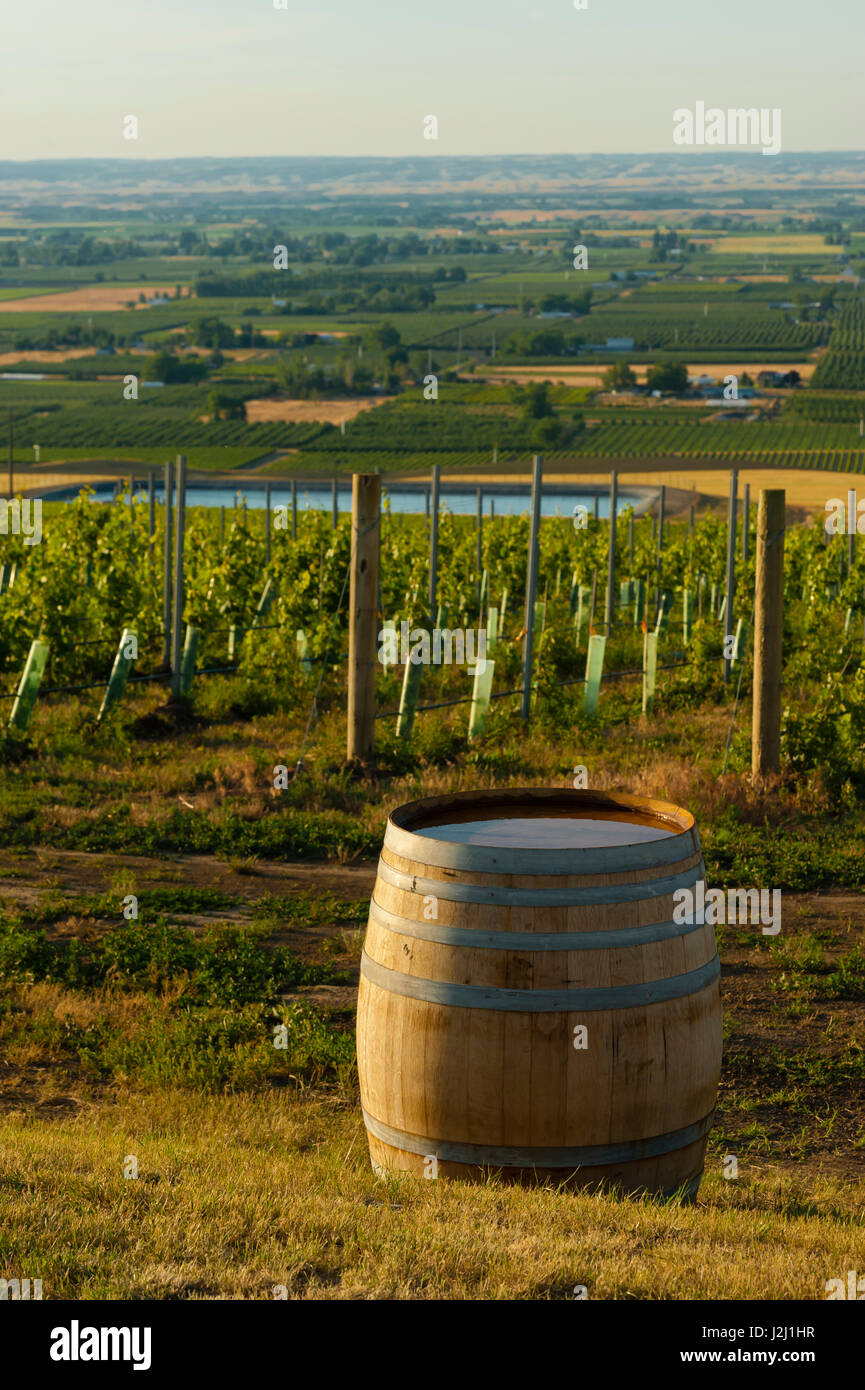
x=250, y=1196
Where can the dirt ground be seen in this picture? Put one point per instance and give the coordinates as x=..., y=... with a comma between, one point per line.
x=328, y=412
x=94, y=298
x=43, y=355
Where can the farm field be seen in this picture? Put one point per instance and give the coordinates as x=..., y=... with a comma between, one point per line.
x=97, y=298
x=795, y=245
x=328, y=412
x=593, y=376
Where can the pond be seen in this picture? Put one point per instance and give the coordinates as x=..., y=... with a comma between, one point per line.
x=406, y=499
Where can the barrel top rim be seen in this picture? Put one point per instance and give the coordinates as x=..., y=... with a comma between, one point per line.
x=427, y=812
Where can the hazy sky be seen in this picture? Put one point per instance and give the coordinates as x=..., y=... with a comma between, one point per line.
x=236, y=77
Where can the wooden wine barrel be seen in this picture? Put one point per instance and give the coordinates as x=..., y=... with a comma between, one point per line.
x=482, y=965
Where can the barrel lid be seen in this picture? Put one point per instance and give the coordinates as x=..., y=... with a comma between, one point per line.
x=404, y=824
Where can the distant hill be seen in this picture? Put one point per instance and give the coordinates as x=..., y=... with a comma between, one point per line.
x=692, y=176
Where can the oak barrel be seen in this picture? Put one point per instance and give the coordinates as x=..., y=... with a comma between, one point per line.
x=539, y=1010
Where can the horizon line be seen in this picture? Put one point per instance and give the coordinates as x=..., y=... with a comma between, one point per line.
x=696, y=152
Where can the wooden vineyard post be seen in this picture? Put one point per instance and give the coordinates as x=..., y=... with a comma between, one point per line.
x=731, y=572
x=28, y=687
x=166, y=573
x=532, y=583
x=631, y=540
x=177, y=607
x=594, y=670
x=433, y=544
x=768, y=633
x=119, y=672
x=650, y=666
x=187, y=661
x=365, y=514
x=294, y=509
x=334, y=505
x=611, y=555
x=746, y=519
x=686, y=616
x=267, y=522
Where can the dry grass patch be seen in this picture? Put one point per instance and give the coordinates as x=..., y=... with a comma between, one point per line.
x=95, y=298
x=237, y=1195
x=326, y=412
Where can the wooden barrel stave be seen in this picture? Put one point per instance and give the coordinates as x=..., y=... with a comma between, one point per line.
x=665, y=1176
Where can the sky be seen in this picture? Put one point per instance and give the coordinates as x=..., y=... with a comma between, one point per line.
x=348, y=77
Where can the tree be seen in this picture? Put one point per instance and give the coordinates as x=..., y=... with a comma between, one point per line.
x=383, y=336
x=538, y=405
x=667, y=376
x=619, y=377
x=213, y=333
x=166, y=366
x=547, y=432
x=221, y=405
